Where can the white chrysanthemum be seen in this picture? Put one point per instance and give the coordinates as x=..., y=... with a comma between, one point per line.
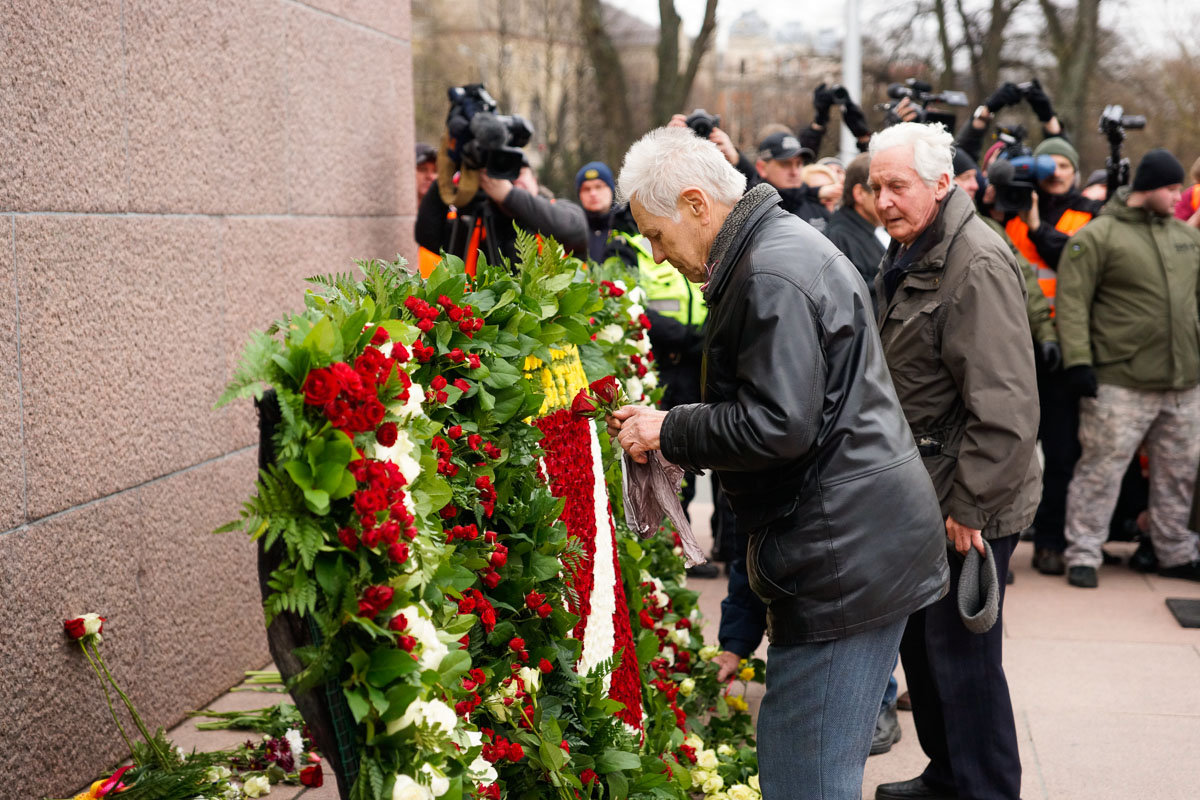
x=406, y=788
x=707, y=759
x=439, y=784
x=611, y=334
x=295, y=742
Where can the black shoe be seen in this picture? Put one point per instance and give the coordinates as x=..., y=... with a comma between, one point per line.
x=1048, y=562
x=1188, y=572
x=1144, y=559
x=1110, y=560
x=887, y=730
x=1083, y=577
x=706, y=570
x=1010, y=578
x=915, y=789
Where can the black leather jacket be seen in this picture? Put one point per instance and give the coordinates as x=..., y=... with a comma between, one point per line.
x=801, y=423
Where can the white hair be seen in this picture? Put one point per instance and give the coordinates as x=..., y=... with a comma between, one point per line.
x=932, y=146
x=664, y=162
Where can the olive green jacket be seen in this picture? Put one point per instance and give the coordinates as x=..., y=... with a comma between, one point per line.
x=1041, y=322
x=1127, y=299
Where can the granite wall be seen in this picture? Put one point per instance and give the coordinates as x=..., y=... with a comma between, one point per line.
x=169, y=172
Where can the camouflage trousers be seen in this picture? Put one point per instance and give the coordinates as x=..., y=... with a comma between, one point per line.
x=1111, y=427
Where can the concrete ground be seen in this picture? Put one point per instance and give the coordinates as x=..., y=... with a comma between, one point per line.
x=1105, y=686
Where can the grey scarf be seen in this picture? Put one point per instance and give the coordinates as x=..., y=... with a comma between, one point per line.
x=760, y=195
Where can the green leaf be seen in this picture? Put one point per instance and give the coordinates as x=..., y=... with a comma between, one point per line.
x=562, y=621
x=552, y=333
x=346, y=488
x=574, y=298
x=557, y=283
x=511, y=400
x=399, y=699
x=322, y=339
x=503, y=374
x=618, y=785
x=317, y=501
x=454, y=664
x=387, y=665
x=359, y=705
x=577, y=332
x=543, y=567
x=647, y=647
x=300, y=473
x=455, y=576
x=329, y=476
x=614, y=760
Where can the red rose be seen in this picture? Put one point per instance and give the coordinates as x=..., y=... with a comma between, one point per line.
x=398, y=552
x=545, y=666
x=644, y=321
x=517, y=643
x=515, y=752
x=442, y=397
x=371, y=537
x=474, y=440
x=473, y=361
x=491, y=579
x=373, y=412
x=407, y=643
x=345, y=375
x=582, y=405
x=499, y=558
x=311, y=776
x=454, y=431
x=438, y=383
x=367, y=501
x=425, y=325
x=605, y=389
x=589, y=776
x=534, y=599
x=545, y=610
x=74, y=627
x=462, y=385
x=398, y=623
x=400, y=352
x=320, y=387
x=386, y=435
x=487, y=615
x=348, y=538
x=457, y=355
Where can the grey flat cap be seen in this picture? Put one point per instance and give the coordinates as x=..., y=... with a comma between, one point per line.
x=979, y=591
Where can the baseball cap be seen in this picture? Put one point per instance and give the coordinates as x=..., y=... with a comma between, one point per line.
x=783, y=145
x=425, y=154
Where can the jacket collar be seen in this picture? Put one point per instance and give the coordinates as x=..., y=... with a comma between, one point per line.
x=1119, y=207
x=735, y=233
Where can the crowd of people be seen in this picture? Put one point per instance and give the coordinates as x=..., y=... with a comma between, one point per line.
x=906, y=327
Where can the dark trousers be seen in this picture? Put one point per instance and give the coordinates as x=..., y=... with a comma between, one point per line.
x=961, y=705
x=1059, y=432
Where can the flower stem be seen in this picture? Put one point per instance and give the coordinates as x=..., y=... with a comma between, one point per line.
x=108, y=700
x=137, y=720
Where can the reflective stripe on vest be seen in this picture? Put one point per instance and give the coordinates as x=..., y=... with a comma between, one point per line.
x=1070, y=222
x=1196, y=197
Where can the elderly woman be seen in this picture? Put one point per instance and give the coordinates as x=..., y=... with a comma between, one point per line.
x=802, y=427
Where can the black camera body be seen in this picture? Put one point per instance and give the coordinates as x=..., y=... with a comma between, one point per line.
x=1114, y=122
x=482, y=139
x=922, y=94
x=702, y=123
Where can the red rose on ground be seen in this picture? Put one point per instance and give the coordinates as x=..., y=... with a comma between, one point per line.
x=605, y=389
x=386, y=435
x=311, y=776
x=320, y=387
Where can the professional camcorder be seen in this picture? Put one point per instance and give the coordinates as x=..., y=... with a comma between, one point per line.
x=702, y=123
x=479, y=138
x=1113, y=124
x=1016, y=178
x=922, y=94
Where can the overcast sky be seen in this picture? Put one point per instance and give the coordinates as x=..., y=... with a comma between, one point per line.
x=1148, y=21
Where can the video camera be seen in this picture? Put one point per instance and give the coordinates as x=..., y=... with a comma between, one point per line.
x=702, y=123
x=922, y=94
x=1016, y=178
x=1113, y=124
x=482, y=139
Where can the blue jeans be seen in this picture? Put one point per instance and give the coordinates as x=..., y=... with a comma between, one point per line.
x=818, y=715
x=893, y=688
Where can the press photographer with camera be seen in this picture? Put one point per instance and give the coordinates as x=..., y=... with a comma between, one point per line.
x=824, y=99
x=485, y=184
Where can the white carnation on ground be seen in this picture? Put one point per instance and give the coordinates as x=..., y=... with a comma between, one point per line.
x=295, y=742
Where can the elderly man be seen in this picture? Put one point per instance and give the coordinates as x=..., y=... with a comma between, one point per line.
x=956, y=339
x=802, y=427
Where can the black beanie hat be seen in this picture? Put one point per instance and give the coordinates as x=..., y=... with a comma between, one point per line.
x=963, y=163
x=1157, y=169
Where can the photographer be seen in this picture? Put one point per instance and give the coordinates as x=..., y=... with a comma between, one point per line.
x=707, y=126
x=824, y=99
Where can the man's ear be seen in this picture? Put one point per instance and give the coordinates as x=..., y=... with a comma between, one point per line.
x=694, y=202
x=761, y=167
x=942, y=187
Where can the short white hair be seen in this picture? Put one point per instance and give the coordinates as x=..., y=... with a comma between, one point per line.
x=664, y=162
x=932, y=146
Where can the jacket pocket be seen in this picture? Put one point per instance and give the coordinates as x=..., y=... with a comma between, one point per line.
x=785, y=555
x=1124, y=345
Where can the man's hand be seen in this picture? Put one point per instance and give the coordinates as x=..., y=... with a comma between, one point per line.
x=636, y=429
x=727, y=662
x=964, y=538
x=678, y=121
x=822, y=102
x=1039, y=101
x=1082, y=380
x=495, y=188
x=831, y=191
x=1006, y=95
x=906, y=110
x=1030, y=216
x=721, y=139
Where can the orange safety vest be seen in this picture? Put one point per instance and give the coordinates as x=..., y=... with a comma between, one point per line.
x=1196, y=197
x=1070, y=222
x=427, y=260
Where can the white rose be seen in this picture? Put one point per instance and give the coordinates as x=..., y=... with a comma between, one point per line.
x=91, y=624
x=636, y=311
x=715, y=783
x=740, y=791
x=401, y=454
x=439, y=784
x=611, y=334
x=406, y=788
x=234, y=792
x=725, y=750
x=633, y=388
x=686, y=687
x=677, y=550
x=637, y=294
x=699, y=776
x=681, y=636
x=216, y=774
x=621, y=285
x=531, y=677
x=753, y=781
x=433, y=713
x=642, y=345
x=717, y=796
x=693, y=741
x=650, y=379
x=257, y=786
x=709, y=652
x=412, y=406
x=433, y=649
x=707, y=759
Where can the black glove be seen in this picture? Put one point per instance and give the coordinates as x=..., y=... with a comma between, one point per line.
x=1039, y=101
x=1009, y=94
x=1082, y=380
x=822, y=102
x=854, y=119
x=1051, y=355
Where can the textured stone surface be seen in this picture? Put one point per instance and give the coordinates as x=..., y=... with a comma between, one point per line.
x=183, y=612
x=12, y=475
x=122, y=352
x=264, y=264
x=348, y=139
x=385, y=16
x=206, y=107
x=62, y=130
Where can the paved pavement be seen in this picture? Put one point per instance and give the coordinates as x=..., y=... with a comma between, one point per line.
x=1105, y=687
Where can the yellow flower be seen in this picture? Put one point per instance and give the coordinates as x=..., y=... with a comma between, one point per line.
x=747, y=673
x=737, y=702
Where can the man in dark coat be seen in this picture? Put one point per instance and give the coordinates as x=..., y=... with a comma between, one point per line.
x=956, y=338
x=854, y=227
x=799, y=421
